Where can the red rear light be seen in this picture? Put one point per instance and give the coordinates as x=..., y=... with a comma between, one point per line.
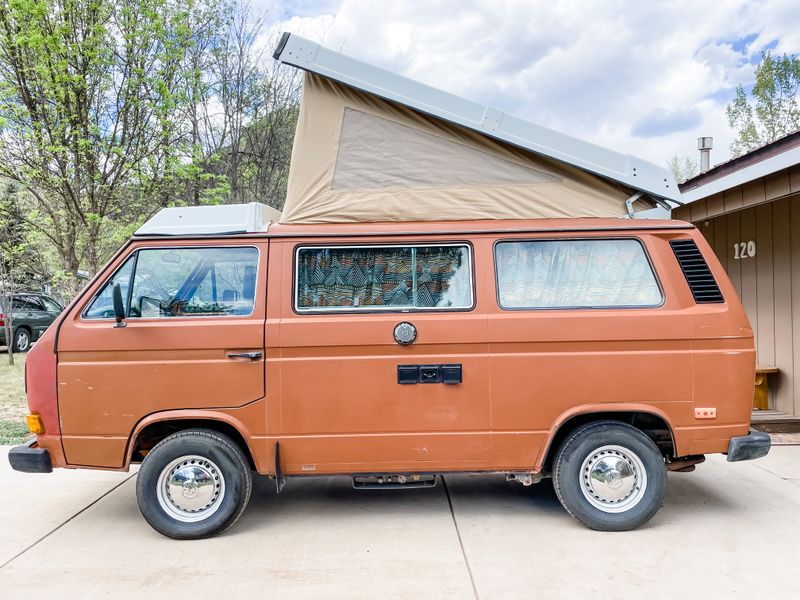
x=2, y=322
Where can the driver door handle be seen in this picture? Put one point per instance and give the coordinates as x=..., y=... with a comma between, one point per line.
x=248, y=355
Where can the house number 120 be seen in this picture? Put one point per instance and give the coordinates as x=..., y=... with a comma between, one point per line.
x=744, y=249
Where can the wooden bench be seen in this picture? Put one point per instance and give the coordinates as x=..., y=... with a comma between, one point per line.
x=761, y=393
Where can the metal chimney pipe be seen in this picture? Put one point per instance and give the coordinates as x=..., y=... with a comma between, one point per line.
x=704, y=144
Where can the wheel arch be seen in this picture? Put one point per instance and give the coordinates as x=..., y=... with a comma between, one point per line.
x=651, y=421
x=27, y=328
x=154, y=428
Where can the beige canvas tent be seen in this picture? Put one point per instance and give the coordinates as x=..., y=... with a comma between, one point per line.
x=359, y=157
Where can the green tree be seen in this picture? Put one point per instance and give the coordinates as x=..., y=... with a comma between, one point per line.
x=772, y=110
x=88, y=97
x=6, y=305
x=240, y=109
x=22, y=255
x=683, y=168
x=111, y=109
x=13, y=238
x=258, y=104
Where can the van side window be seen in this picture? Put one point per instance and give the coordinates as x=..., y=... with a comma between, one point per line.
x=575, y=274
x=383, y=278
x=102, y=307
x=194, y=282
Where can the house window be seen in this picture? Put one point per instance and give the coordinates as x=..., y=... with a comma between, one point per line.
x=575, y=274
x=370, y=278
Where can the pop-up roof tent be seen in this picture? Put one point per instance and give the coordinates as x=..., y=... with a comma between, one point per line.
x=372, y=146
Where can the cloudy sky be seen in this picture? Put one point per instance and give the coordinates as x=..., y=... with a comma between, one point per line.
x=646, y=78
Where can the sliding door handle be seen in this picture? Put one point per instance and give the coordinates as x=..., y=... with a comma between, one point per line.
x=247, y=355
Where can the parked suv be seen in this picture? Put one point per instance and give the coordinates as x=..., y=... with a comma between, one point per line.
x=600, y=352
x=32, y=314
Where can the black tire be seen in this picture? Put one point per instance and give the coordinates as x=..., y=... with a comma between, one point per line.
x=578, y=456
x=227, y=463
x=22, y=340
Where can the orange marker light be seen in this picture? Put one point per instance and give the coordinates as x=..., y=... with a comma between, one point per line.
x=35, y=423
x=705, y=413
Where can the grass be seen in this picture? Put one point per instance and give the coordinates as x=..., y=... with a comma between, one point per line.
x=13, y=431
x=12, y=400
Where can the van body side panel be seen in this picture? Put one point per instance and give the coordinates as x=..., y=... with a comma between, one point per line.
x=110, y=378
x=40, y=381
x=723, y=363
x=41, y=368
x=342, y=409
x=326, y=386
x=549, y=363
x=277, y=287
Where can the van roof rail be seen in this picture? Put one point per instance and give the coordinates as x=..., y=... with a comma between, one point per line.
x=625, y=169
x=220, y=219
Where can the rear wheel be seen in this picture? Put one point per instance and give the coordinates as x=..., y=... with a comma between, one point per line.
x=193, y=484
x=22, y=340
x=610, y=476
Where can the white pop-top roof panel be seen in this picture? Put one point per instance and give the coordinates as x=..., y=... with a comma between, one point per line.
x=220, y=219
x=628, y=170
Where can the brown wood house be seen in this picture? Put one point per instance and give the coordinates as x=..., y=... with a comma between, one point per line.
x=749, y=210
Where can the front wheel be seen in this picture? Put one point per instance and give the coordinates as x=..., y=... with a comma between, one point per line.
x=193, y=484
x=610, y=476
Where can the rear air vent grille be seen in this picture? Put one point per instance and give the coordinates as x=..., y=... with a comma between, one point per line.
x=702, y=283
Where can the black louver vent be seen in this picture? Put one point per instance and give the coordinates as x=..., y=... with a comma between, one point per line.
x=702, y=283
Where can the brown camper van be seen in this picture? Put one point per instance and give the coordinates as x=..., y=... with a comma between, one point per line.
x=599, y=352
x=420, y=306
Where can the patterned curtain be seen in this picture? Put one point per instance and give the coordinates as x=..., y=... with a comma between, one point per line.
x=423, y=277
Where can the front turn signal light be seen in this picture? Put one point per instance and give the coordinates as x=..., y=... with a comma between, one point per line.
x=35, y=423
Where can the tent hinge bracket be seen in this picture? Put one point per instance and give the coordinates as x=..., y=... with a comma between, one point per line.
x=629, y=203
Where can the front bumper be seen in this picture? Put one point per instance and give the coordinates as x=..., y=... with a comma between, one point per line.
x=29, y=458
x=748, y=447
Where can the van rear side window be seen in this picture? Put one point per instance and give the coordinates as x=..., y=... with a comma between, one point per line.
x=373, y=278
x=575, y=274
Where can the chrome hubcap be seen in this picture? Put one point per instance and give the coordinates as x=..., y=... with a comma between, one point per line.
x=613, y=479
x=23, y=340
x=190, y=488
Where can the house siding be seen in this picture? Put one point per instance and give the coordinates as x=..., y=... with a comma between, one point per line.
x=766, y=211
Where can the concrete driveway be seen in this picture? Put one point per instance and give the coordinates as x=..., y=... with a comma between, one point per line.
x=726, y=531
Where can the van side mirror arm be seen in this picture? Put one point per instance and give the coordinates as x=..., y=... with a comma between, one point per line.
x=119, y=307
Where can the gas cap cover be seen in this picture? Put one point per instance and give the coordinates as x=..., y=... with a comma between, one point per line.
x=405, y=333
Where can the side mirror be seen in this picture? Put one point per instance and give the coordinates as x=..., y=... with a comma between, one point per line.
x=119, y=306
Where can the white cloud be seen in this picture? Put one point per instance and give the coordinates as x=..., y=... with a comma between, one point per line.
x=596, y=70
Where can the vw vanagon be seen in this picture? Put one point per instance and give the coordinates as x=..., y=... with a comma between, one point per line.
x=600, y=352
